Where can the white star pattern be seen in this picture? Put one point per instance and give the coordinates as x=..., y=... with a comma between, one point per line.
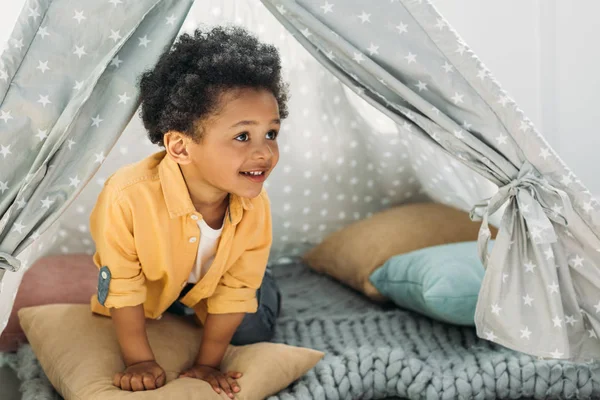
x=79, y=16
x=33, y=13
x=501, y=139
x=5, y=116
x=592, y=333
x=74, y=181
x=525, y=333
x=544, y=153
x=46, y=203
x=79, y=51
x=402, y=28
x=524, y=126
x=490, y=336
x=373, y=49
x=364, y=17
x=144, y=41
x=587, y=207
x=529, y=266
x=570, y=320
x=115, y=2
x=358, y=57
x=556, y=354
x=557, y=321
x=43, y=66
x=553, y=287
x=3, y=186
x=171, y=19
x=42, y=134
x=123, y=98
x=458, y=98
x=21, y=204
x=327, y=7
x=577, y=261
x=70, y=143
x=44, y=100
x=411, y=58
x=18, y=227
x=447, y=67
x=566, y=180
x=115, y=35
x=527, y=300
x=43, y=32
x=99, y=157
x=496, y=309
x=18, y=44
x=5, y=150
x=116, y=61
x=96, y=121
x=422, y=86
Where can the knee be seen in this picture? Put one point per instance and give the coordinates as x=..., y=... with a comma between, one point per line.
x=255, y=328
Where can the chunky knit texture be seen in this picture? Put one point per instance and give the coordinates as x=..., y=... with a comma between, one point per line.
x=375, y=352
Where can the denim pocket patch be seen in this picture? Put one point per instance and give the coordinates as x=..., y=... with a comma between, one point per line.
x=103, y=283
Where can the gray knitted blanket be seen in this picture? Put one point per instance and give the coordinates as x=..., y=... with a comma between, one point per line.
x=375, y=352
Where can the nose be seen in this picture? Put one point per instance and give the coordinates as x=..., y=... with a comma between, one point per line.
x=263, y=151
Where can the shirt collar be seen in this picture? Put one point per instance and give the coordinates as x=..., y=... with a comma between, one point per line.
x=177, y=197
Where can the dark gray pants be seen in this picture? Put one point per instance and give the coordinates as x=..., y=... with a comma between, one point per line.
x=255, y=327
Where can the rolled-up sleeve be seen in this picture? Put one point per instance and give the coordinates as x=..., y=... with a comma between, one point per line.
x=111, y=227
x=236, y=291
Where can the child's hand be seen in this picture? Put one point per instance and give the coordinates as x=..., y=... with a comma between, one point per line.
x=145, y=375
x=217, y=379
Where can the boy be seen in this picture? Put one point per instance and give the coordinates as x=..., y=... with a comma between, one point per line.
x=189, y=229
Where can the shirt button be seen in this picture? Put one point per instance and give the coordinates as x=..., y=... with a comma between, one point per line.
x=193, y=239
x=159, y=317
x=194, y=217
x=104, y=275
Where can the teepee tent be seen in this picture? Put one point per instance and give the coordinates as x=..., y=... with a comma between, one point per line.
x=440, y=128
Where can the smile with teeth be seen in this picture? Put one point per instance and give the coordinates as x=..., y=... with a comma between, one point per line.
x=254, y=173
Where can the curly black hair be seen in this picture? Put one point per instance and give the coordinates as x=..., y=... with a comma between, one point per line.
x=185, y=85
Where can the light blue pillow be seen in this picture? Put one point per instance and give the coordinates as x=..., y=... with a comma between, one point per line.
x=441, y=282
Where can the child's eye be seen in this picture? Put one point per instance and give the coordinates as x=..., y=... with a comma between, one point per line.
x=243, y=137
x=272, y=135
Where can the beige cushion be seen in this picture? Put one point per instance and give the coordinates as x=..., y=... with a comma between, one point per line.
x=351, y=254
x=80, y=354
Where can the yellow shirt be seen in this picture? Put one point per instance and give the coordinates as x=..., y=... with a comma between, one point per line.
x=145, y=229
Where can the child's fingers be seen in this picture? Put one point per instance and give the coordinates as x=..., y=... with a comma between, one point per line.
x=224, y=383
x=137, y=383
x=213, y=382
x=126, y=382
x=149, y=381
x=234, y=374
x=117, y=379
x=234, y=386
x=161, y=380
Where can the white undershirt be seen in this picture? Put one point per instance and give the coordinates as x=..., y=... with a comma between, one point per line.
x=207, y=248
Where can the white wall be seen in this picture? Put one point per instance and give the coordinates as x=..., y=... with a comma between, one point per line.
x=543, y=52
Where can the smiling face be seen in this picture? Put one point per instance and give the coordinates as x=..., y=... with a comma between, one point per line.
x=238, y=146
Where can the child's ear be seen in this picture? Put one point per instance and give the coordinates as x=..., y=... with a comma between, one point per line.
x=176, y=145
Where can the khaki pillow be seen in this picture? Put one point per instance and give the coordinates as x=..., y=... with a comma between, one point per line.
x=79, y=353
x=351, y=254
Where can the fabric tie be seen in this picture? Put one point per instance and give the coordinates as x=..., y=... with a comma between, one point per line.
x=9, y=262
x=533, y=195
